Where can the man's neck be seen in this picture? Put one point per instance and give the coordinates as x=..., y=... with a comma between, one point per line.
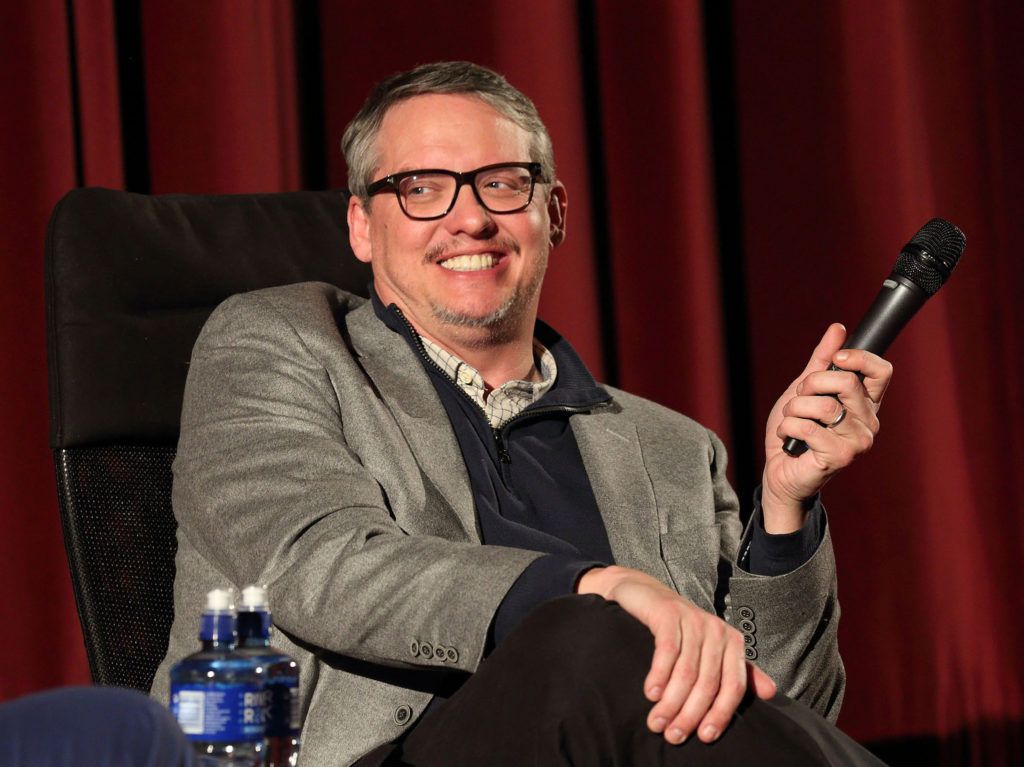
x=496, y=363
x=498, y=356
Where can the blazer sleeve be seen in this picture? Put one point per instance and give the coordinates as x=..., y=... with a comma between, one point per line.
x=268, y=490
x=789, y=622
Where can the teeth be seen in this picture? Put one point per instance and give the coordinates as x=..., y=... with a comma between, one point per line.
x=472, y=263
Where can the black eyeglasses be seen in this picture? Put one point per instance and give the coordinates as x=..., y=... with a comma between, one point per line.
x=427, y=194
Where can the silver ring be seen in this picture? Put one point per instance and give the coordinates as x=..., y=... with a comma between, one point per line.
x=839, y=418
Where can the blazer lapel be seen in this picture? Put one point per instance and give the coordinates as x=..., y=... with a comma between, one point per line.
x=610, y=448
x=412, y=400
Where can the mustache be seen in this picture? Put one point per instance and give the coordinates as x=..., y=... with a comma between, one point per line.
x=442, y=250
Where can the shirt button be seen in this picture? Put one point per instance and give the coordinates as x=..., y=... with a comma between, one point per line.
x=465, y=376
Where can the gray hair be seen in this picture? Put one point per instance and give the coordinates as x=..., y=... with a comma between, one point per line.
x=448, y=77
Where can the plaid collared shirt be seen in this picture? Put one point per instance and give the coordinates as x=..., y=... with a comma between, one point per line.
x=508, y=400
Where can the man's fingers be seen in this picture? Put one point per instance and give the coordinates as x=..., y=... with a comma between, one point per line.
x=847, y=387
x=828, y=411
x=830, y=449
x=730, y=692
x=680, y=684
x=825, y=410
x=703, y=691
x=827, y=347
x=667, y=644
x=762, y=684
x=877, y=372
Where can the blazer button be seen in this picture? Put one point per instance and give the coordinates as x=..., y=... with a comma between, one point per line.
x=426, y=649
x=749, y=640
x=403, y=714
x=439, y=652
x=750, y=652
x=414, y=648
x=748, y=627
x=746, y=613
x=452, y=654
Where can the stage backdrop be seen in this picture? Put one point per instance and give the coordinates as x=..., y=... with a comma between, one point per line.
x=740, y=174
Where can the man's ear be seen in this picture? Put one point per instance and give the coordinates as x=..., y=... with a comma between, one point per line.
x=359, y=230
x=557, y=203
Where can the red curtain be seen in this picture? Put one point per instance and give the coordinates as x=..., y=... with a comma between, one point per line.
x=873, y=118
x=42, y=645
x=220, y=86
x=856, y=122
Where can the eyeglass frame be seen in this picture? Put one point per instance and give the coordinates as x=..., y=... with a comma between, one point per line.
x=469, y=177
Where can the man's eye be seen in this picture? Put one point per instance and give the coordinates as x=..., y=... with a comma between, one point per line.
x=421, y=189
x=504, y=184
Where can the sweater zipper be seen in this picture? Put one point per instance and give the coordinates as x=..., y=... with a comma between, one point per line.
x=427, y=358
x=500, y=434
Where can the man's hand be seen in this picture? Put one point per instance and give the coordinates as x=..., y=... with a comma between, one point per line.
x=789, y=481
x=698, y=673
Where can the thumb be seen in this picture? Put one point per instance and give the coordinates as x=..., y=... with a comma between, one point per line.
x=829, y=344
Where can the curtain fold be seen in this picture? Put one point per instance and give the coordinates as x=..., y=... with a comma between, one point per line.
x=43, y=645
x=661, y=201
x=874, y=120
x=221, y=97
x=857, y=121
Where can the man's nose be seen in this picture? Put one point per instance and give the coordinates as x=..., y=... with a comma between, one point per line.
x=468, y=215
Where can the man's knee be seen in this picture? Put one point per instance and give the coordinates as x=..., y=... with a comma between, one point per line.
x=583, y=633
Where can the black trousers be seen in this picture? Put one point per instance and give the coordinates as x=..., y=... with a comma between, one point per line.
x=565, y=688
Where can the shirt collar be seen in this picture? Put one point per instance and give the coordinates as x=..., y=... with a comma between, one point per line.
x=573, y=385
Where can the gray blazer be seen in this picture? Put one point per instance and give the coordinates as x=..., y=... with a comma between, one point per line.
x=316, y=457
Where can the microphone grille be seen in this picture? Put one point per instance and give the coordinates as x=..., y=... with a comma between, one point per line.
x=930, y=257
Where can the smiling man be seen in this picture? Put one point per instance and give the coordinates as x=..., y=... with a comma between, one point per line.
x=479, y=554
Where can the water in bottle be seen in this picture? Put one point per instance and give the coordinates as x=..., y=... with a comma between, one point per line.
x=216, y=695
x=281, y=675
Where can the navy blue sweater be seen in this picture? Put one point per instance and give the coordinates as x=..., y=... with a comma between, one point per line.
x=532, y=491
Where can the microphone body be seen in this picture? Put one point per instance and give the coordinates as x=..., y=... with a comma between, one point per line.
x=923, y=266
x=897, y=301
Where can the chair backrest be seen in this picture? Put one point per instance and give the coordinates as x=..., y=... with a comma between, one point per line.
x=130, y=280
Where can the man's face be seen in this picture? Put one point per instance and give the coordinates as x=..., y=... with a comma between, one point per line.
x=485, y=301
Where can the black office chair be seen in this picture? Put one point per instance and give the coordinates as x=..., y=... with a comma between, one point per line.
x=130, y=280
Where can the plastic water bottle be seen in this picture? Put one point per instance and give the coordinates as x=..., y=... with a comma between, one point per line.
x=281, y=678
x=216, y=695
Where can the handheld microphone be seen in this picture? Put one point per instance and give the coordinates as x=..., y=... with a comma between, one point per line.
x=923, y=266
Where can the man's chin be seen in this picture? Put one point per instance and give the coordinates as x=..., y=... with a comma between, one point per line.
x=483, y=327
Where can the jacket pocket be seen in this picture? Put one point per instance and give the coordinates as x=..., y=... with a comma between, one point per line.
x=691, y=557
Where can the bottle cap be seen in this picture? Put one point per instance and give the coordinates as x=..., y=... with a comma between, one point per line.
x=254, y=598
x=219, y=600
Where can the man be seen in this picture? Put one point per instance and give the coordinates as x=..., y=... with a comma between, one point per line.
x=424, y=481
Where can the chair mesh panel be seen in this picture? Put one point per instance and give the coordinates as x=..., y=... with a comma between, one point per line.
x=119, y=532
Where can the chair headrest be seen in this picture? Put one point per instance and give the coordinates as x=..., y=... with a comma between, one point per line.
x=130, y=280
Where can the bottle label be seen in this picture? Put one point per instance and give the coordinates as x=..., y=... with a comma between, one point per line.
x=283, y=708
x=220, y=711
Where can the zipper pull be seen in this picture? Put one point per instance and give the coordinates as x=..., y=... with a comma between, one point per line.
x=503, y=454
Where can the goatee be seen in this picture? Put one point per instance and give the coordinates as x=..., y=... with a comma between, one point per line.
x=502, y=324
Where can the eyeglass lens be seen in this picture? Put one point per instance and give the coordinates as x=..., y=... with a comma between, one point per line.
x=501, y=190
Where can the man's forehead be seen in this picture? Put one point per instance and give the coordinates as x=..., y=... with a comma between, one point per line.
x=443, y=124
